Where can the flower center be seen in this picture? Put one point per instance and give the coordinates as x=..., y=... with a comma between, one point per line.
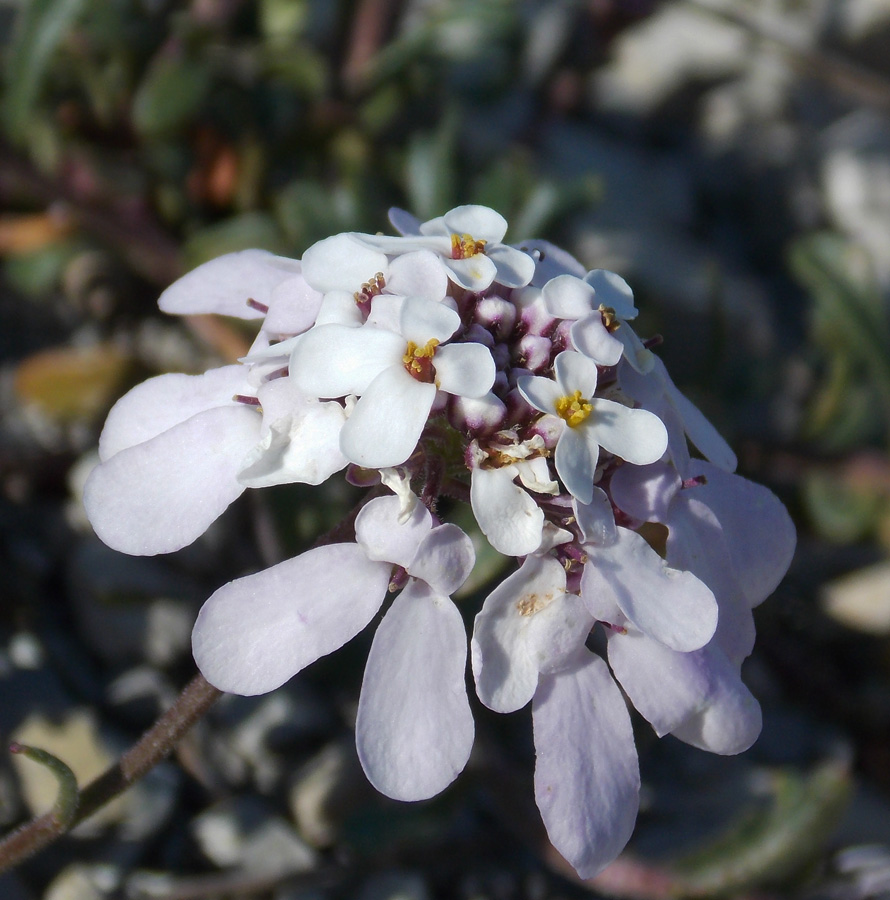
x=464, y=246
x=573, y=409
x=610, y=320
x=370, y=289
x=418, y=361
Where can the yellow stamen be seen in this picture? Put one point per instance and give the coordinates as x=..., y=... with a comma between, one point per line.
x=419, y=360
x=464, y=246
x=610, y=320
x=370, y=289
x=573, y=409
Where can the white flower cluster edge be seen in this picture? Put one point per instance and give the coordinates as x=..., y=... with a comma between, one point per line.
x=404, y=360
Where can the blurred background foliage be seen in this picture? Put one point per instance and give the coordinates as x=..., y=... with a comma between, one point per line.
x=731, y=160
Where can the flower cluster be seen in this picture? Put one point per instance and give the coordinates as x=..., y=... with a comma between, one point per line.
x=444, y=362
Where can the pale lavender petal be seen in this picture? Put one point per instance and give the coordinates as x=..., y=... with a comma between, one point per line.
x=161, y=402
x=506, y=672
x=645, y=492
x=383, y=536
x=464, y=369
x=293, y=307
x=341, y=263
x=507, y=515
x=162, y=494
x=387, y=421
x=666, y=686
x=225, y=284
x=634, y=435
x=575, y=372
x=480, y=222
x=414, y=729
x=556, y=632
x=403, y=221
x=256, y=632
x=669, y=605
x=420, y=273
x=335, y=360
x=551, y=261
x=514, y=268
x=575, y=460
x=444, y=559
x=587, y=779
x=591, y=337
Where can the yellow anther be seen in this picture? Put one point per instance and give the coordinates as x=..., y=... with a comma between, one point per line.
x=610, y=319
x=463, y=246
x=370, y=289
x=573, y=409
x=419, y=360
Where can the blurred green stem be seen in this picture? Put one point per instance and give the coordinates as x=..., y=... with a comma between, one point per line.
x=193, y=703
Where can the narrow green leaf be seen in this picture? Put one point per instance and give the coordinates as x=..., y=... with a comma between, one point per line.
x=68, y=799
x=169, y=94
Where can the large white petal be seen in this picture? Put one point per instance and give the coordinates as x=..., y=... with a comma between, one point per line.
x=414, y=729
x=587, y=779
x=341, y=263
x=256, y=632
x=480, y=222
x=225, y=284
x=645, y=492
x=420, y=273
x=335, y=360
x=164, y=401
x=475, y=273
x=387, y=421
x=669, y=605
x=506, y=671
x=444, y=559
x=568, y=297
x=514, y=268
x=507, y=515
x=575, y=372
x=635, y=435
x=293, y=307
x=542, y=393
x=666, y=686
x=383, y=536
x=575, y=459
x=596, y=519
x=612, y=291
x=591, y=337
x=164, y=493
x=464, y=369
x=422, y=320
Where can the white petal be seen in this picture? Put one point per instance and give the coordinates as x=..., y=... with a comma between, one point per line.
x=339, y=308
x=341, y=263
x=293, y=307
x=422, y=320
x=507, y=515
x=384, y=535
x=335, y=360
x=567, y=297
x=669, y=605
x=414, y=729
x=542, y=393
x=575, y=459
x=255, y=633
x=596, y=519
x=420, y=273
x=387, y=421
x=506, y=672
x=444, y=559
x=557, y=632
x=403, y=221
x=612, y=291
x=635, y=435
x=475, y=273
x=164, y=401
x=514, y=268
x=464, y=369
x=162, y=494
x=666, y=687
x=591, y=337
x=575, y=372
x=587, y=779
x=304, y=448
x=225, y=284
x=645, y=492
x=480, y=222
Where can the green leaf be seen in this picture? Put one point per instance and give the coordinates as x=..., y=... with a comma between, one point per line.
x=429, y=170
x=839, y=512
x=169, y=95
x=41, y=27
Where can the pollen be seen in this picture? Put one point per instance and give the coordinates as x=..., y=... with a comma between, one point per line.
x=370, y=289
x=610, y=320
x=418, y=361
x=463, y=246
x=573, y=409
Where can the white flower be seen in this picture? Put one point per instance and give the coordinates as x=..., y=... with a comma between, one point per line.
x=469, y=241
x=589, y=422
x=395, y=375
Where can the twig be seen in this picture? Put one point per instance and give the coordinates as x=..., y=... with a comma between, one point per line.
x=191, y=705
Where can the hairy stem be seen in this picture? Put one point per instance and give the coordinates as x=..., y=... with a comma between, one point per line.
x=192, y=704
